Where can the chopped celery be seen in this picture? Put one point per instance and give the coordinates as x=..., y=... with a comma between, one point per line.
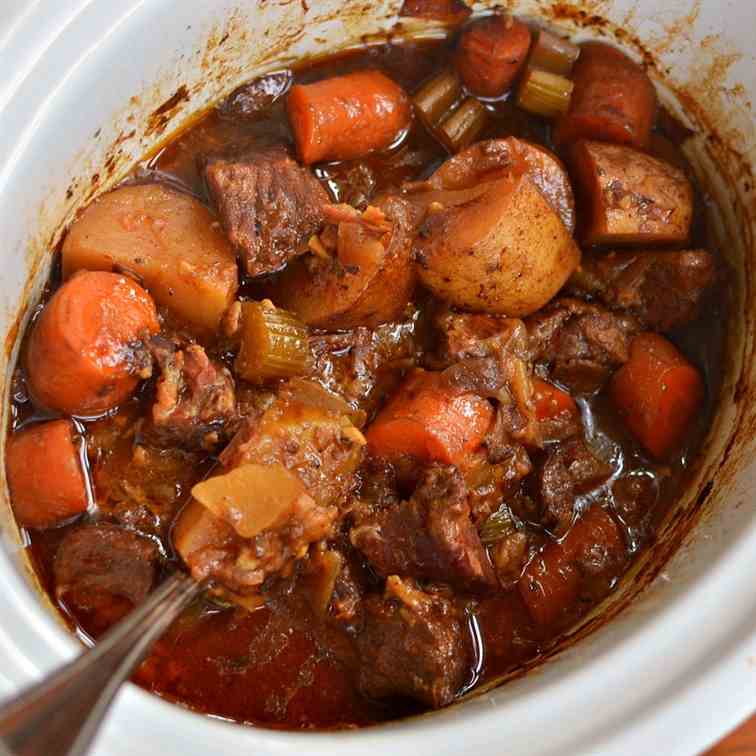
x=554, y=54
x=463, y=126
x=435, y=98
x=273, y=343
x=545, y=94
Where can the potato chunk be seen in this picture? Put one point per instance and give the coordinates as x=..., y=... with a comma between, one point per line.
x=169, y=239
x=630, y=197
x=368, y=282
x=493, y=239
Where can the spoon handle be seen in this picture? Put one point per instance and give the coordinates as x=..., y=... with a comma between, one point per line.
x=60, y=715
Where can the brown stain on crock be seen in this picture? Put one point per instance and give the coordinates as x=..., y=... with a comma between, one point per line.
x=159, y=119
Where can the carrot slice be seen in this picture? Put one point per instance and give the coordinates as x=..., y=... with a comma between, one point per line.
x=491, y=53
x=427, y=420
x=657, y=392
x=347, y=117
x=550, y=401
x=551, y=582
x=83, y=355
x=45, y=477
x=613, y=99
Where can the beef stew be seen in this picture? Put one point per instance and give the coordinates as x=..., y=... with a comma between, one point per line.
x=407, y=427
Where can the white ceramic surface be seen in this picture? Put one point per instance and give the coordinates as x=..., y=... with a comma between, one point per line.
x=668, y=675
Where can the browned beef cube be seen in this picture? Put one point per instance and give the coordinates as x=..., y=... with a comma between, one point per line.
x=412, y=645
x=431, y=536
x=269, y=206
x=104, y=571
x=570, y=469
x=583, y=343
x=195, y=396
x=662, y=289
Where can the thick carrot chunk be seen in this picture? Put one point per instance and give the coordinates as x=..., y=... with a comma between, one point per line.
x=613, y=99
x=551, y=402
x=45, y=477
x=85, y=354
x=427, y=420
x=491, y=53
x=551, y=582
x=347, y=117
x=657, y=392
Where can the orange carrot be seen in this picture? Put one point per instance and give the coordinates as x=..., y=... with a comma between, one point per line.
x=81, y=358
x=427, y=420
x=551, y=582
x=491, y=53
x=613, y=99
x=550, y=401
x=45, y=478
x=657, y=392
x=347, y=117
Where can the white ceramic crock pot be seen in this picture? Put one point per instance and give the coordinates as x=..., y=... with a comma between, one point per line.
x=81, y=88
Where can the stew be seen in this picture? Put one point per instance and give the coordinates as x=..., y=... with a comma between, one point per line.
x=407, y=352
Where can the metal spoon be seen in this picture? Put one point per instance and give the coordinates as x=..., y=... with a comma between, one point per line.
x=61, y=715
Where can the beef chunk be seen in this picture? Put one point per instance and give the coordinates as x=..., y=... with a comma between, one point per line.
x=570, y=469
x=464, y=335
x=663, y=290
x=347, y=595
x=412, y=645
x=363, y=365
x=431, y=536
x=354, y=182
x=194, y=396
x=380, y=484
x=103, y=571
x=488, y=483
x=491, y=357
x=583, y=343
x=273, y=551
x=304, y=430
x=268, y=204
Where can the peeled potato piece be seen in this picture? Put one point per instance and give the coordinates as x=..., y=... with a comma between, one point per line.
x=493, y=240
x=169, y=239
x=630, y=197
x=482, y=160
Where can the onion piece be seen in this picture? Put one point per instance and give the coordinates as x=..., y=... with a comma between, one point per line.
x=251, y=498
